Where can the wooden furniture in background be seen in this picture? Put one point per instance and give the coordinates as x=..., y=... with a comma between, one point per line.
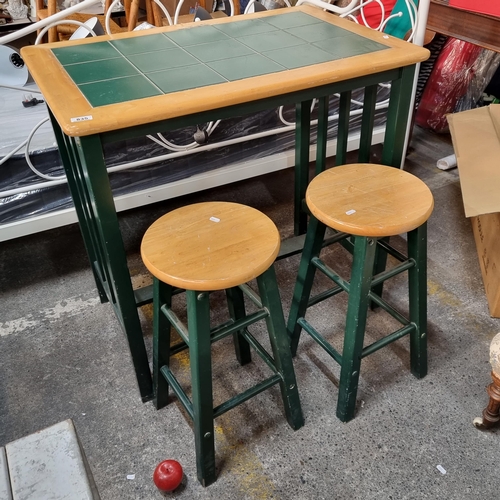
x=476, y=28
x=491, y=414
x=132, y=11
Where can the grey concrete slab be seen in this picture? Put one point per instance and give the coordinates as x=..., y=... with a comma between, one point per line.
x=50, y=464
x=5, y=489
x=63, y=355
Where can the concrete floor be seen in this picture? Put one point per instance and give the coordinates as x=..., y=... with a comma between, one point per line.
x=63, y=355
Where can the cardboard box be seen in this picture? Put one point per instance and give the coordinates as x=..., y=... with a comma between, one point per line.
x=487, y=235
x=476, y=140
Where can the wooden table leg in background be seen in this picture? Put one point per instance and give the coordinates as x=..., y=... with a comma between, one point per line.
x=491, y=414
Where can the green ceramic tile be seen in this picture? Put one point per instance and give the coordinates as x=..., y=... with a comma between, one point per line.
x=291, y=20
x=216, y=51
x=100, y=70
x=147, y=43
x=127, y=69
x=317, y=32
x=118, y=90
x=162, y=59
x=372, y=46
x=298, y=57
x=272, y=40
x=349, y=46
x=185, y=78
x=245, y=67
x=243, y=28
x=196, y=35
x=85, y=53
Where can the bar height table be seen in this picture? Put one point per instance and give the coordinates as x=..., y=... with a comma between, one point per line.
x=117, y=87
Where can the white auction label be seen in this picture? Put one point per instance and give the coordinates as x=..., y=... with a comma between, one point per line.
x=81, y=119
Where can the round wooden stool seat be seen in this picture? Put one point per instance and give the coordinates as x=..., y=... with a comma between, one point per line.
x=210, y=246
x=369, y=200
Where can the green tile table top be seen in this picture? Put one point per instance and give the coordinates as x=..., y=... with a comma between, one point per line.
x=108, y=83
x=163, y=63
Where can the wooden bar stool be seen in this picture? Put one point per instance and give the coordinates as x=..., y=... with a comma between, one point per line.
x=365, y=204
x=202, y=248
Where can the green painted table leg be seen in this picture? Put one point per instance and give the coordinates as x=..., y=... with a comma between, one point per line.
x=302, y=144
x=269, y=293
x=322, y=132
x=66, y=148
x=394, y=139
x=343, y=127
x=101, y=232
x=114, y=259
x=303, y=285
x=367, y=121
x=397, y=118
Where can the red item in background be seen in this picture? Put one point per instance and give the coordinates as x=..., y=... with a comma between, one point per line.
x=491, y=7
x=373, y=13
x=449, y=80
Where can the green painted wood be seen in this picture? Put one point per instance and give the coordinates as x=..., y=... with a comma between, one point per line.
x=397, y=117
x=246, y=395
x=177, y=388
x=78, y=200
x=198, y=314
x=302, y=140
x=368, y=119
x=343, y=127
x=114, y=262
x=417, y=280
x=104, y=244
x=320, y=340
x=268, y=289
x=236, y=306
x=357, y=309
x=199, y=335
x=361, y=294
x=305, y=278
x=162, y=295
x=322, y=132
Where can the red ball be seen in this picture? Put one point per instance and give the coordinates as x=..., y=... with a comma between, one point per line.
x=168, y=475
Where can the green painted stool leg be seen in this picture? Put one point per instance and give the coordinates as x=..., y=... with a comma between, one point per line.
x=162, y=295
x=236, y=305
x=198, y=315
x=269, y=293
x=357, y=309
x=303, y=285
x=417, y=283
